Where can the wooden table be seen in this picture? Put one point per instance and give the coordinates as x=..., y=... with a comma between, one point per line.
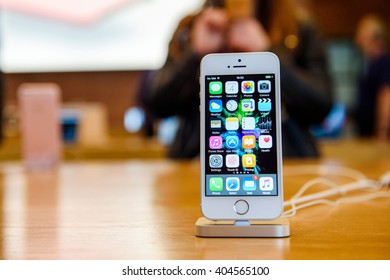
x=146, y=209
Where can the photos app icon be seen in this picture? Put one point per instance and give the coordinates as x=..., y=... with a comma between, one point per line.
x=248, y=87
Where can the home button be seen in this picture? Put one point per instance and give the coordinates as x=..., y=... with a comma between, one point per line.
x=241, y=207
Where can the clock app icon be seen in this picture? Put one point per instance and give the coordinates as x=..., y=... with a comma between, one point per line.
x=232, y=105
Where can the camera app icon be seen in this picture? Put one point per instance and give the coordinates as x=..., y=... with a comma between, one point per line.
x=264, y=86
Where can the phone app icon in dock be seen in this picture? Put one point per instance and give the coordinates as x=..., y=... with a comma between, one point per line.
x=216, y=184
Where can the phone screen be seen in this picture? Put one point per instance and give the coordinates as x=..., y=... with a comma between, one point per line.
x=241, y=153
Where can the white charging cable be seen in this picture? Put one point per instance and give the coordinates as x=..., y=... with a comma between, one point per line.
x=298, y=201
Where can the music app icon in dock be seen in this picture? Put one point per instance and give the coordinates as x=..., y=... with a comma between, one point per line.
x=266, y=184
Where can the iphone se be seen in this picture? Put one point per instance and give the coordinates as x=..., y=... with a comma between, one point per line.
x=241, y=156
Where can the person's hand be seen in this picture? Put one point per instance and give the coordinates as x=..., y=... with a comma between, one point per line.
x=248, y=35
x=208, y=33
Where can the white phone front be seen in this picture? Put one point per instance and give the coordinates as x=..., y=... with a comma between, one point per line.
x=241, y=156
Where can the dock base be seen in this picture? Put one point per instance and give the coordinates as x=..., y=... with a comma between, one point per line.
x=254, y=228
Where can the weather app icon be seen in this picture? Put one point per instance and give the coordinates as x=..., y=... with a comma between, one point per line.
x=215, y=105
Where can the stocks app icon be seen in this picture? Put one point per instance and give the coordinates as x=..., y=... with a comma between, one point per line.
x=215, y=161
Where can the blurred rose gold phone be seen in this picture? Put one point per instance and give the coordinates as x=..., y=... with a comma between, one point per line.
x=40, y=128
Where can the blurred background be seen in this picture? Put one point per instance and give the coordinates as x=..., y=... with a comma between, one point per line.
x=97, y=52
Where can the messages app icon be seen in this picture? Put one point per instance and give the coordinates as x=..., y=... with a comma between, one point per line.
x=215, y=87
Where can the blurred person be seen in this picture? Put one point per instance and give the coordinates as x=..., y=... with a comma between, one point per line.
x=277, y=26
x=373, y=105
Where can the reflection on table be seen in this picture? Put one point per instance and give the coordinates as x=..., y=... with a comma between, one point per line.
x=146, y=209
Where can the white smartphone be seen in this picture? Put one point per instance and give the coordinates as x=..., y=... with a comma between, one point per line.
x=241, y=156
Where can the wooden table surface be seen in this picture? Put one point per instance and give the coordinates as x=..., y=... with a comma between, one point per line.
x=146, y=209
